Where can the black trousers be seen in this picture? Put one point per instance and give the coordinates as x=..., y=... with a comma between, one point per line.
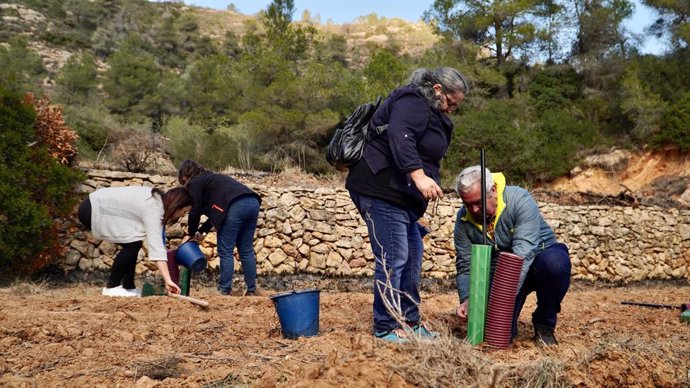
x=123, y=270
x=549, y=277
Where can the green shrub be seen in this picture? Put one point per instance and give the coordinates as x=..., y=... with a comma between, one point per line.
x=555, y=87
x=34, y=190
x=91, y=123
x=214, y=149
x=504, y=129
x=525, y=146
x=560, y=136
x=643, y=108
x=77, y=80
x=674, y=129
x=21, y=68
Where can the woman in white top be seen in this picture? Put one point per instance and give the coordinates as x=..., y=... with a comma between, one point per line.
x=127, y=216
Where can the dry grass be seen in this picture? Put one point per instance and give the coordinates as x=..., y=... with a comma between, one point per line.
x=22, y=287
x=545, y=372
x=227, y=381
x=298, y=177
x=159, y=369
x=450, y=362
x=446, y=362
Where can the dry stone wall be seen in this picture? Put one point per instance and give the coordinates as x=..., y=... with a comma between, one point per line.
x=318, y=230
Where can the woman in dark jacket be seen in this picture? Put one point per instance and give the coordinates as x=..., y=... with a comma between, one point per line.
x=391, y=186
x=233, y=209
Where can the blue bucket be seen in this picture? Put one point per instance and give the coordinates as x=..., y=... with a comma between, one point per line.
x=189, y=255
x=298, y=312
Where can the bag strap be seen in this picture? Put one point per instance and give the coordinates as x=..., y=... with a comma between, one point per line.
x=373, y=132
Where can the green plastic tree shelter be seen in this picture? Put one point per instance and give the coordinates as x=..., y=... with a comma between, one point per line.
x=185, y=280
x=480, y=265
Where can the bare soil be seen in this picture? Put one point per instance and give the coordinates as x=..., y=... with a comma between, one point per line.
x=57, y=334
x=659, y=178
x=72, y=336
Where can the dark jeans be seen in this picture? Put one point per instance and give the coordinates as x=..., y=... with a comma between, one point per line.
x=238, y=229
x=396, y=241
x=124, y=265
x=549, y=276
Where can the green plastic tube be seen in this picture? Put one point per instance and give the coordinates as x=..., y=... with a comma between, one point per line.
x=185, y=280
x=480, y=265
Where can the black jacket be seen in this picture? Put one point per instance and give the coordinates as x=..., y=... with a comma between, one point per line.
x=212, y=194
x=418, y=136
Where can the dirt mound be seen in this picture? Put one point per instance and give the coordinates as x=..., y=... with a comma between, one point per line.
x=74, y=336
x=621, y=177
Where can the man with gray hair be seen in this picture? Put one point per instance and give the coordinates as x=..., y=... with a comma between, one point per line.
x=514, y=224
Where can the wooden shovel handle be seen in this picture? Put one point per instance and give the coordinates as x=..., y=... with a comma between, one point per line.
x=195, y=301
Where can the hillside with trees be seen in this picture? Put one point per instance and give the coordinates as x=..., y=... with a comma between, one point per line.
x=552, y=81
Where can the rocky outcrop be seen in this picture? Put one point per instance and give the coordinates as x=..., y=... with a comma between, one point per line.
x=318, y=230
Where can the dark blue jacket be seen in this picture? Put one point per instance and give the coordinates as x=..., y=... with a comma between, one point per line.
x=417, y=137
x=212, y=194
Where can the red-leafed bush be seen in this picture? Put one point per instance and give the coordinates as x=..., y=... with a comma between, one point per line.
x=51, y=129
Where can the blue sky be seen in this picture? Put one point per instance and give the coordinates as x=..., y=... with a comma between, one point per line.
x=344, y=11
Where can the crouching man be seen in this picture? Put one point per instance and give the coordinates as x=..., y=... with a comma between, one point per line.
x=515, y=225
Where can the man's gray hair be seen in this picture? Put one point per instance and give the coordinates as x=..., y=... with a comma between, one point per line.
x=470, y=177
x=451, y=81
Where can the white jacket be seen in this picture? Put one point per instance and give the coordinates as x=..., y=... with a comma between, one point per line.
x=129, y=214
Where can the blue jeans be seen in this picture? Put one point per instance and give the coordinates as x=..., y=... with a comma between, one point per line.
x=549, y=276
x=238, y=229
x=396, y=241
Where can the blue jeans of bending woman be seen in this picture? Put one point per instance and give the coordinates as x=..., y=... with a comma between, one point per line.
x=238, y=230
x=396, y=241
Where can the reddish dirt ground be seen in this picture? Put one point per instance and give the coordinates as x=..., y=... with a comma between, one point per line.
x=72, y=336
x=655, y=178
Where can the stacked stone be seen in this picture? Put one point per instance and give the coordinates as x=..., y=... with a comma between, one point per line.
x=319, y=231
x=623, y=244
